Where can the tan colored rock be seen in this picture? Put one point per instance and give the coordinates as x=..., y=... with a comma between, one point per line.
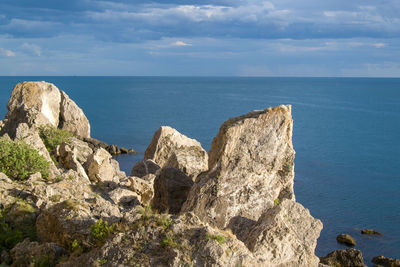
x=68, y=159
x=170, y=148
x=144, y=167
x=143, y=189
x=285, y=235
x=346, y=239
x=101, y=168
x=41, y=96
x=72, y=117
x=251, y=166
x=83, y=150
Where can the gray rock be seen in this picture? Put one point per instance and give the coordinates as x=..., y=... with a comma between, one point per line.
x=171, y=188
x=285, y=235
x=251, y=167
x=144, y=167
x=95, y=143
x=343, y=258
x=101, y=168
x=370, y=232
x=170, y=148
x=68, y=158
x=346, y=239
x=143, y=188
x=72, y=117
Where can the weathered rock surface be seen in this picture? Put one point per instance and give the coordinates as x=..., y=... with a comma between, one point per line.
x=145, y=167
x=41, y=103
x=101, y=168
x=72, y=117
x=346, y=239
x=386, y=262
x=250, y=166
x=344, y=258
x=186, y=242
x=169, y=148
x=143, y=188
x=285, y=235
x=68, y=158
x=171, y=188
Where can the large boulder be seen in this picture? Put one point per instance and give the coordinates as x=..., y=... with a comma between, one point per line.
x=41, y=103
x=173, y=149
x=285, y=235
x=72, y=117
x=144, y=167
x=171, y=188
x=343, y=258
x=250, y=168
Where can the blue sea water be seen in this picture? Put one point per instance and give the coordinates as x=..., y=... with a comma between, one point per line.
x=346, y=136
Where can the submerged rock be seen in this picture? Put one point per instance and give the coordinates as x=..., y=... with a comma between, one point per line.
x=346, y=239
x=169, y=148
x=370, y=232
x=344, y=258
x=386, y=262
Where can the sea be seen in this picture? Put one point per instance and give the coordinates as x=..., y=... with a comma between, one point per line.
x=346, y=136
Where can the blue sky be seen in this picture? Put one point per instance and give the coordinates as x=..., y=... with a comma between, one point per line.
x=200, y=38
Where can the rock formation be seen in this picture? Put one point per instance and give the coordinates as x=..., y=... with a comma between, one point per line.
x=170, y=148
x=235, y=208
x=346, y=257
x=41, y=103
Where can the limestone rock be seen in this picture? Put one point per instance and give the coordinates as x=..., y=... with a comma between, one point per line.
x=346, y=239
x=386, y=262
x=171, y=188
x=144, y=167
x=250, y=167
x=285, y=235
x=143, y=189
x=343, y=258
x=101, y=168
x=72, y=117
x=95, y=143
x=125, y=198
x=68, y=158
x=41, y=96
x=28, y=253
x=170, y=148
x=83, y=150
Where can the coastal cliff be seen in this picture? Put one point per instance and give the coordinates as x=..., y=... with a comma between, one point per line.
x=180, y=206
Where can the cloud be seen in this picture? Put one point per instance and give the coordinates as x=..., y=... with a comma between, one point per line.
x=181, y=43
x=379, y=45
x=35, y=49
x=7, y=53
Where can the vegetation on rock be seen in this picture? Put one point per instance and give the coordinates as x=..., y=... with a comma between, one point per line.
x=19, y=160
x=52, y=136
x=100, y=231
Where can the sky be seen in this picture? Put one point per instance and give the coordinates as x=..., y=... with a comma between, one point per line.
x=319, y=38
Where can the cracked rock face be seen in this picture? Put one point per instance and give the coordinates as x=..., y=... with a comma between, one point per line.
x=41, y=103
x=169, y=148
x=250, y=168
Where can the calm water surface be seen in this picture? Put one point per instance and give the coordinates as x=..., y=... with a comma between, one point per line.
x=346, y=136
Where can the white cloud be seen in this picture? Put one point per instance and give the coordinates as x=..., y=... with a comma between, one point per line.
x=379, y=45
x=35, y=49
x=181, y=43
x=7, y=53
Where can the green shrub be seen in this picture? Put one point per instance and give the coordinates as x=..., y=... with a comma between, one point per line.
x=100, y=231
x=19, y=160
x=52, y=136
x=219, y=238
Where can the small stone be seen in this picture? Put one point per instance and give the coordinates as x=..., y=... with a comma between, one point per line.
x=370, y=232
x=386, y=262
x=123, y=150
x=131, y=150
x=112, y=149
x=346, y=257
x=346, y=239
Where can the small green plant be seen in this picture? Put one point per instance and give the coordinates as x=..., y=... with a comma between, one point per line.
x=276, y=202
x=219, y=238
x=164, y=221
x=102, y=261
x=52, y=136
x=100, y=231
x=19, y=160
x=169, y=241
x=55, y=198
